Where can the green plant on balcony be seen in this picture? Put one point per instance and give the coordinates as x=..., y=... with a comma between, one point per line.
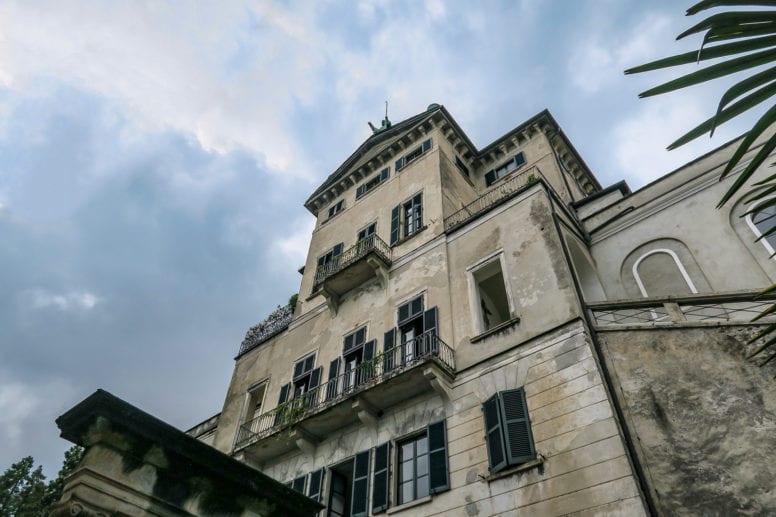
x=531, y=177
x=291, y=411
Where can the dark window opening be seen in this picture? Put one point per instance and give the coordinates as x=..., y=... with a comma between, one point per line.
x=492, y=294
x=335, y=208
x=413, y=155
x=407, y=218
x=461, y=166
x=340, y=490
x=373, y=182
x=255, y=400
x=517, y=161
x=303, y=370
x=367, y=232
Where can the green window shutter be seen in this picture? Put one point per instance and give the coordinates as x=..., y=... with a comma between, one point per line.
x=395, y=225
x=359, y=506
x=417, y=211
x=368, y=369
x=380, y=481
x=315, y=490
x=439, y=480
x=298, y=484
x=430, y=318
x=517, y=427
x=284, y=392
x=490, y=177
x=493, y=433
x=331, y=386
x=389, y=341
x=427, y=145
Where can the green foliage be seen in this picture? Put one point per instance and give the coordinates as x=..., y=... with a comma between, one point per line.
x=24, y=492
x=292, y=301
x=747, y=39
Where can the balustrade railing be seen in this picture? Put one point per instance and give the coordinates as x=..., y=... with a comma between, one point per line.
x=277, y=322
x=370, y=244
x=425, y=347
x=731, y=307
x=492, y=197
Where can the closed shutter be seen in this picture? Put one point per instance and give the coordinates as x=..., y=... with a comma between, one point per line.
x=368, y=368
x=438, y=480
x=380, y=482
x=417, y=211
x=395, y=225
x=389, y=340
x=315, y=381
x=493, y=433
x=384, y=174
x=399, y=165
x=298, y=484
x=490, y=177
x=427, y=145
x=315, y=489
x=331, y=386
x=430, y=331
x=519, y=159
x=348, y=344
x=517, y=427
x=359, y=507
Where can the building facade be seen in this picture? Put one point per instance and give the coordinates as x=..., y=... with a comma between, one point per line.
x=490, y=332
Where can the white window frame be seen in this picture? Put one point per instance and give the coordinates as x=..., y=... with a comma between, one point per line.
x=756, y=231
x=247, y=406
x=474, y=296
x=678, y=262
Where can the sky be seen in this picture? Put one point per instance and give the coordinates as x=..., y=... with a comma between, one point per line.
x=155, y=156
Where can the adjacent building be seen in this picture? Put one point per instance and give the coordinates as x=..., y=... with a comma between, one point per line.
x=490, y=332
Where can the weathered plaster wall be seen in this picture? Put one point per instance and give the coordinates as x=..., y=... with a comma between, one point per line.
x=705, y=417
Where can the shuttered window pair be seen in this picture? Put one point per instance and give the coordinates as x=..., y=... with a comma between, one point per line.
x=504, y=169
x=373, y=182
x=508, y=430
x=314, y=487
x=407, y=218
x=396, y=351
x=413, y=155
x=336, y=208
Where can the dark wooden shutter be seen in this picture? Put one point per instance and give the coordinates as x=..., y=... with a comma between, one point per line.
x=519, y=159
x=315, y=489
x=384, y=174
x=438, y=480
x=360, y=190
x=417, y=211
x=389, y=341
x=331, y=386
x=298, y=484
x=430, y=331
x=399, y=165
x=493, y=433
x=427, y=145
x=358, y=507
x=490, y=177
x=315, y=381
x=380, y=482
x=395, y=225
x=517, y=427
x=368, y=369
x=284, y=392
x=315, y=377
x=348, y=343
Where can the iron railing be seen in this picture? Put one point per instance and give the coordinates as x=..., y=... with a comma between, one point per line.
x=499, y=194
x=425, y=347
x=370, y=244
x=732, y=307
x=275, y=323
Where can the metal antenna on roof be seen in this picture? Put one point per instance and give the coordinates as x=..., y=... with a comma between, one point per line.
x=386, y=110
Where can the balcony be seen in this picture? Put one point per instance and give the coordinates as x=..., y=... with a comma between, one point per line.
x=362, y=394
x=368, y=258
x=501, y=193
x=275, y=323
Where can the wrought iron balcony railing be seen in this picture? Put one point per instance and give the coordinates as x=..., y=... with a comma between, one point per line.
x=425, y=347
x=370, y=244
x=276, y=323
x=738, y=307
x=491, y=198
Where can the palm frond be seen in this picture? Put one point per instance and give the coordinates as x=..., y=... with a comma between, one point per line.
x=710, y=4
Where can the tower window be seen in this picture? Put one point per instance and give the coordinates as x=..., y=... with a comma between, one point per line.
x=490, y=295
x=413, y=155
x=407, y=218
x=514, y=163
x=336, y=208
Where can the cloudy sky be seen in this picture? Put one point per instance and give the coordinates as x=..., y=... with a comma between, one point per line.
x=154, y=158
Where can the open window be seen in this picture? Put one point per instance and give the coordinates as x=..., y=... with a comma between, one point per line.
x=490, y=297
x=504, y=169
x=254, y=402
x=336, y=208
x=407, y=218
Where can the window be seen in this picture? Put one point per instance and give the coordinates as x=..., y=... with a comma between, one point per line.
x=504, y=169
x=373, y=182
x=461, y=167
x=659, y=272
x=413, y=155
x=355, y=350
x=365, y=233
x=254, y=401
x=416, y=332
x=508, y=430
x=762, y=222
x=306, y=380
x=302, y=374
x=327, y=263
x=336, y=208
x=413, y=469
x=407, y=218
x=490, y=299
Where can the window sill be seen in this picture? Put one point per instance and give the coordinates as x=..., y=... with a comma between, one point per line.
x=409, y=237
x=495, y=330
x=538, y=462
x=411, y=504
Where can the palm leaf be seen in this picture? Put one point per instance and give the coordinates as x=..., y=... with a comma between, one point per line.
x=706, y=53
x=758, y=160
x=764, y=313
x=717, y=34
x=710, y=4
x=743, y=20
x=760, y=195
x=742, y=87
x=728, y=67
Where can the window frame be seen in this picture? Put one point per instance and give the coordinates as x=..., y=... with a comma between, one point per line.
x=505, y=442
x=677, y=261
x=249, y=409
x=335, y=209
x=400, y=231
x=373, y=182
x=750, y=212
x=506, y=167
x=399, y=445
x=410, y=157
x=474, y=289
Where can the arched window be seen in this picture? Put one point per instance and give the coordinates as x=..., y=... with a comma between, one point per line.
x=660, y=273
x=761, y=222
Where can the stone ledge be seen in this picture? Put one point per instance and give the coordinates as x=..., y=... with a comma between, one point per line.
x=495, y=330
x=538, y=462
